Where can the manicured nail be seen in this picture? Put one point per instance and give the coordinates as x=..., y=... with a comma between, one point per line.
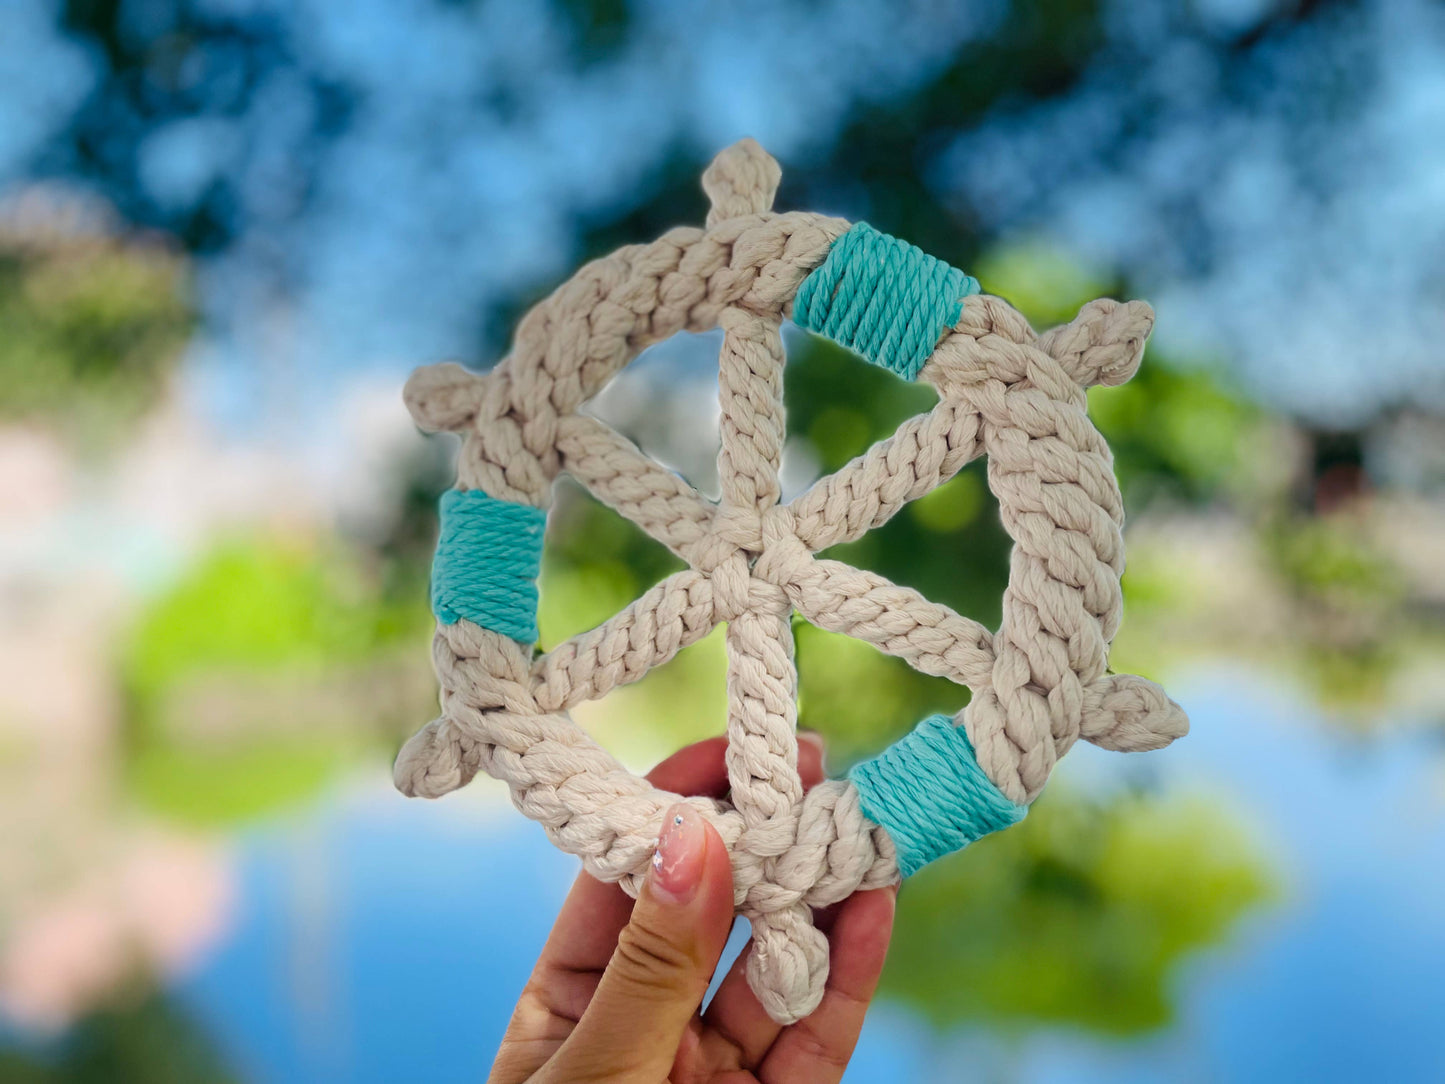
x=677, y=863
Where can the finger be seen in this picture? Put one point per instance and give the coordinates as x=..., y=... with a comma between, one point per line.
x=697, y=769
x=737, y=1031
x=665, y=956
x=701, y=768
x=816, y=1049
x=594, y=913
x=811, y=758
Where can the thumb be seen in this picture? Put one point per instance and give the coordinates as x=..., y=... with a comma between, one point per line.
x=664, y=959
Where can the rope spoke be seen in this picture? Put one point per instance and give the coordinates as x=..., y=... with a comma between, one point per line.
x=762, y=752
x=899, y=621
x=673, y=614
x=762, y=681
x=616, y=471
x=925, y=451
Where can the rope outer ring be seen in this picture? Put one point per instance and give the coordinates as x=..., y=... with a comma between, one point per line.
x=1040, y=682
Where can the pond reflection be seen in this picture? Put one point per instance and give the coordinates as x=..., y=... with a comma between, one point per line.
x=1256, y=923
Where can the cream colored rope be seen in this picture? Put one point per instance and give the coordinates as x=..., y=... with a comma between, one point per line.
x=1039, y=683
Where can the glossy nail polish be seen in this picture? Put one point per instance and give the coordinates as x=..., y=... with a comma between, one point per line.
x=677, y=864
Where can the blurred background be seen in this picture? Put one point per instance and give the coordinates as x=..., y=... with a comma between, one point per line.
x=230, y=228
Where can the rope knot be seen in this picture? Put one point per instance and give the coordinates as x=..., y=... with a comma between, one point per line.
x=732, y=583
x=1104, y=344
x=741, y=528
x=444, y=397
x=742, y=180
x=432, y=762
x=1129, y=713
x=784, y=556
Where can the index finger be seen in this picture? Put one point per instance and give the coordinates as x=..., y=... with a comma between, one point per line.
x=594, y=912
x=817, y=1048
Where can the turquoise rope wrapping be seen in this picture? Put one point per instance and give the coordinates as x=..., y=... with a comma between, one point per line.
x=486, y=564
x=882, y=298
x=928, y=791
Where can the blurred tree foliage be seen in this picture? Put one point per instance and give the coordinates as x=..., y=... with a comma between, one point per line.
x=93, y=325
x=1077, y=916
x=140, y=1036
x=250, y=680
x=1177, y=432
x=188, y=60
x=1356, y=623
x=1327, y=560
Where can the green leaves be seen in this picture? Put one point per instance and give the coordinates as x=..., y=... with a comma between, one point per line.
x=261, y=674
x=92, y=329
x=1076, y=916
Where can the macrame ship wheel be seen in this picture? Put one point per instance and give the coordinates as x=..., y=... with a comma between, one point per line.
x=1040, y=683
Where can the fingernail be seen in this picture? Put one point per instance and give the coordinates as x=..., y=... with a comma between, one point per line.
x=815, y=739
x=677, y=863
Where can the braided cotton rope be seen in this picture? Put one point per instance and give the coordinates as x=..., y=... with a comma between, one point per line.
x=487, y=561
x=882, y=297
x=1039, y=683
x=931, y=795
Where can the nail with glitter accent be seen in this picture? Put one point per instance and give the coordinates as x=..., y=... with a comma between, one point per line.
x=678, y=862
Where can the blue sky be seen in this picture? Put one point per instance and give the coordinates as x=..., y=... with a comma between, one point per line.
x=1288, y=224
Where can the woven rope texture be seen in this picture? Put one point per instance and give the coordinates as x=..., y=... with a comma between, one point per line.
x=1039, y=683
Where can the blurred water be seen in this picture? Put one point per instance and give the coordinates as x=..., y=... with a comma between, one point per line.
x=381, y=939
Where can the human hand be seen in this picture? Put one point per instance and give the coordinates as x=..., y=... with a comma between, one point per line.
x=616, y=991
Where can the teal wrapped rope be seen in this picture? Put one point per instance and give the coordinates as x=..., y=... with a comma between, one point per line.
x=928, y=791
x=882, y=298
x=487, y=559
